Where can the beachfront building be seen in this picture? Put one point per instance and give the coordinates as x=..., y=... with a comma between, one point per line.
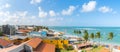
x=74, y=40
x=58, y=42
x=43, y=32
x=8, y=29
x=39, y=34
x=55, y=34
x=23, y=31
x=30, y=27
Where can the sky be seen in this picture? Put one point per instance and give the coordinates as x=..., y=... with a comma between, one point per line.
x=60, y=12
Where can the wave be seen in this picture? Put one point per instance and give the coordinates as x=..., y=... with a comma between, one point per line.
x=87, y=28
x=70, y=36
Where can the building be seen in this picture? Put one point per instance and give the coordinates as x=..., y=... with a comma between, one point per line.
x=58, y=42
x=32, y=45
x=30, y=27
x=8, y=29
x=23, y=32
x=5, y=43
x=38, y=46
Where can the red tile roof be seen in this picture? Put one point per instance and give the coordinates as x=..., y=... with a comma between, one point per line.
x=24, y=30
x=39, y=46
x=34, y=42
x=44, y=47
x=4, y=42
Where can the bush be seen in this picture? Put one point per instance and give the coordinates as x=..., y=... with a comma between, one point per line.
x=57, y=50
x=70, y=48
x=95, y=46
x=83, y=51
x=1, y=34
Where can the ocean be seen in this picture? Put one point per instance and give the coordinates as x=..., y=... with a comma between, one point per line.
x=69, y=31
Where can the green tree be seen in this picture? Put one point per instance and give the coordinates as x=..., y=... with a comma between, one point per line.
x=98, y=35
x=70, y=48
x=1, y=34
x=92, y=36
x=86, y=36
x=110, y=36
x=85, y=31
x=78, y=32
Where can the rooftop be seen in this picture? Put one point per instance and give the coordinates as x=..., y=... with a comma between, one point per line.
x=44, y=47
x=34, y=42
x=5, y=42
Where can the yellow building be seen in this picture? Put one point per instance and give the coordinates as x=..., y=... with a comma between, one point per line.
x=59, y=43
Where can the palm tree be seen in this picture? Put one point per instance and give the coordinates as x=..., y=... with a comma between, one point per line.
x=77, y=32
x=98, y=35
x=86, y=36
x=110, y=37
x=85, y=31
x=92, y=36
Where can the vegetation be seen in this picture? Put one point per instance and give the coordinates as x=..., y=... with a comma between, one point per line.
x=77, y=31
x=110, y=36
x=92, y=36
x=37, y=28
x=58, y=50
x=70, y=48
x=98, y=35
x=83, y=51
x=85, y=31
x=86, y=36
x=63, y=50
x=66, y=48
x=1, y=34
x=95, y=46
x=97, y=49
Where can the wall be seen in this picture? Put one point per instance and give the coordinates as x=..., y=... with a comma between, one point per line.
x=58, y=43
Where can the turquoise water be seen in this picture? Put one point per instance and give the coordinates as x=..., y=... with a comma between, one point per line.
x=103, y=30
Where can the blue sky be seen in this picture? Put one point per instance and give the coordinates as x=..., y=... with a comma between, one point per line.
x=60, y=12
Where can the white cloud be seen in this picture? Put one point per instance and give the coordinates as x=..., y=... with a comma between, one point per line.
x=69, y=11
x=55, y=19
x=35, y=1
x=19, y=17
x=24, y=13
x=42, y=13
x=24, y=18
x=105, y=9
x=52, y=13
x=88, y=7
x=5, y=6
